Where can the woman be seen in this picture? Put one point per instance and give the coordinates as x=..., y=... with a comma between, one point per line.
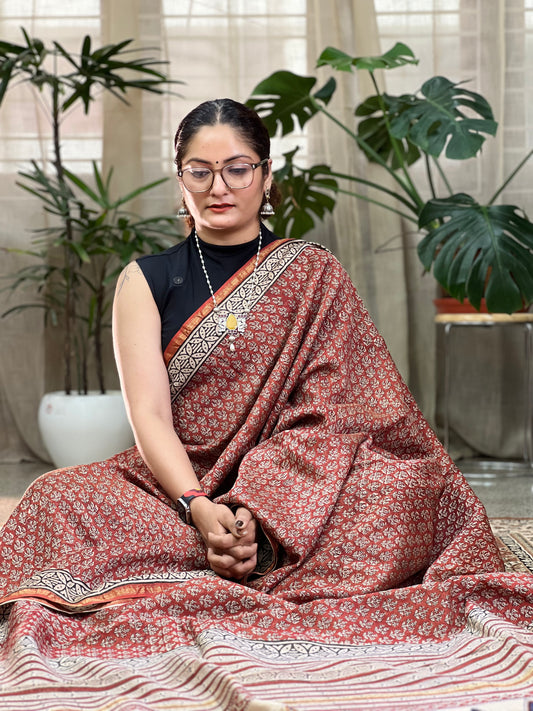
x=283, y=477
x=224, y=171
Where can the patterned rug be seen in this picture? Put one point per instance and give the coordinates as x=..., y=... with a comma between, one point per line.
x=515, y=541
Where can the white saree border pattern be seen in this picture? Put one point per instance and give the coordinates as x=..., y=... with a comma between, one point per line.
x=205, y=337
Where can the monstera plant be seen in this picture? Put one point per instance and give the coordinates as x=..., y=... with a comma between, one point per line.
x=477, y=249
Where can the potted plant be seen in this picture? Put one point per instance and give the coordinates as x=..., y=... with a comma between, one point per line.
x=75, y=261
x=477, y=251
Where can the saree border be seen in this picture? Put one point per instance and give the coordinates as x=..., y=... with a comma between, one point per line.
x=225, y=290
x=196, y=340
x=58, y=589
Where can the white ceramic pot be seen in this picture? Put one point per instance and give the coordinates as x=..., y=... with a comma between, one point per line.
x=80, y=429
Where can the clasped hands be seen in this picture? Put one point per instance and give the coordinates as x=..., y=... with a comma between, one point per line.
x=230, y=537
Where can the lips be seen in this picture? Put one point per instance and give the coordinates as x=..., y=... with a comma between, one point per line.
x=221, y=206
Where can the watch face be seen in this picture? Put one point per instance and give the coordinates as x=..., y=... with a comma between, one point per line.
x=184, y=511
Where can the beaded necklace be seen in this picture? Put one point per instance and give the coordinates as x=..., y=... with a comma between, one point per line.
x=231, y=322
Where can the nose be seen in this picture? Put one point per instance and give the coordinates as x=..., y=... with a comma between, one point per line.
x=218, y=183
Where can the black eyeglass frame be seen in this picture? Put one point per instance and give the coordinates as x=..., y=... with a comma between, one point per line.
x=253, y=166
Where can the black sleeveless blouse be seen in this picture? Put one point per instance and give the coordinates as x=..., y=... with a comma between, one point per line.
x=177, y=280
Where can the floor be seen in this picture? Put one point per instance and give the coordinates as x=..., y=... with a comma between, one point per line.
x=506, y=489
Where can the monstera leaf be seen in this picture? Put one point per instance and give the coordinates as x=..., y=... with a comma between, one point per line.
x=479, y=250
x=307, y=193
x=446, y=117
x=397, y=56
x=375, y=130
x=284, y=99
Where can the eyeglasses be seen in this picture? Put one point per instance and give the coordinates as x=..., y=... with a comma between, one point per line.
x=235, y=175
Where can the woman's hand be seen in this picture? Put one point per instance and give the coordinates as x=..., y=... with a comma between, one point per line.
x=230, y=538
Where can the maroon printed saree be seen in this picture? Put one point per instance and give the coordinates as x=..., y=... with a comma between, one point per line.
x=370, y=535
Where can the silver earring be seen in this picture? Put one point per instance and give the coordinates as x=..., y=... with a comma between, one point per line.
x=267, y=210
x=183, y=212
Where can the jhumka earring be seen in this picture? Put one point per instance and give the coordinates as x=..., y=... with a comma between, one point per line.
x=267, y=210
x=183, y=212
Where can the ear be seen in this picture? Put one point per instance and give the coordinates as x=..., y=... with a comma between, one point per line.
x=181, y=188
x=269, y=177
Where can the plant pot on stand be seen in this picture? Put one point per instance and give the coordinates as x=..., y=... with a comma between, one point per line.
x=449, y=305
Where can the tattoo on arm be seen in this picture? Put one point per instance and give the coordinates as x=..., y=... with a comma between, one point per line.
x=131, y=269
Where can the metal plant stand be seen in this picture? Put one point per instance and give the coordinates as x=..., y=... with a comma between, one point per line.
x=482, y=320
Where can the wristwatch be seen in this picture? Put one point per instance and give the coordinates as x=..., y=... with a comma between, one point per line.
x=183, y=504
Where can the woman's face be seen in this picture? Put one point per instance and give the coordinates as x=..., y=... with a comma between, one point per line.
x=222, y=214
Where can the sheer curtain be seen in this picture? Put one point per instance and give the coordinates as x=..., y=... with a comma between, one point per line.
x=223, y=48
x=357, y=229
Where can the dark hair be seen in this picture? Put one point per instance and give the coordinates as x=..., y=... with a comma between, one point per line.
x=240, y=117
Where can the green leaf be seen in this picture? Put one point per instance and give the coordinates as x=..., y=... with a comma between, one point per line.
x=85, y=188
x=79, y=251
x=103, y=187
x=335, y=58
x=6, y=70
x=54, y=195
x=375, y=132
x=110, y=69
x=20, y=61
x=138, y=191
x=397, y=56
x=307, y=195
x=10, y=48
x=443, y=119
x=285, y=100
x=61, y=51
x=479, y=250
x=399, y=128
x=86, y=52
x=22, y=307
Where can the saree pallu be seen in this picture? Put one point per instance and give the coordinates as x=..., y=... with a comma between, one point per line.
x=368, y=532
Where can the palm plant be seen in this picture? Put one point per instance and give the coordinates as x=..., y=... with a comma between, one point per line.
x=106, y=238
x=93, y=235
x=476, y=250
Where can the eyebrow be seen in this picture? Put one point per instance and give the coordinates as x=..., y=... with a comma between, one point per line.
x=227, y=160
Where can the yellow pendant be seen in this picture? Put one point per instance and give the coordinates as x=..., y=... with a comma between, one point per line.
x=231, y=323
